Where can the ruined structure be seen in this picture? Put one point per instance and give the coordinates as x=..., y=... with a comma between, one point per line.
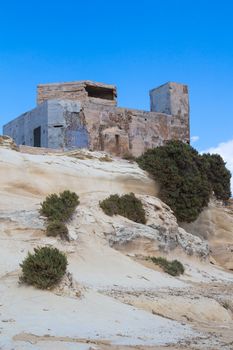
x=84, y=114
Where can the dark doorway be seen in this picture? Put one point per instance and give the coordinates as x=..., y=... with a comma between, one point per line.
x=117, y=140
x=37, y=137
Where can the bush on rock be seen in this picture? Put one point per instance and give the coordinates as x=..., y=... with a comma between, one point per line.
x=45, y=268
x=127, y=205
x=173, y=268
x=186, y=178
x=59, y=207
x=57, y=228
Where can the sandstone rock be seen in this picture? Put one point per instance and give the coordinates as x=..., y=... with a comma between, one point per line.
x=216, y=219
x=68, y=286
x=72, y=233
x=7, y=142
x=154, y=239
x=161, y=233
x=191, y=244
x=23, y=218
x=158, y=213
x=215, y=223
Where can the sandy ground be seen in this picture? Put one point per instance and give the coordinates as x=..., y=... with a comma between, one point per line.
x=115, y=300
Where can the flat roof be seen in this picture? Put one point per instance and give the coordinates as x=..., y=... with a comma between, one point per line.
x=82, y=83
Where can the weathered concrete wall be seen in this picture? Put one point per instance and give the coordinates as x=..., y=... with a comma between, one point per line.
x=173, y=99
x=170, y=98
x=89, y=123
x=62, y=126
x=122, y=131
x=66, y=125
x=80, y=90
x=65, y=91
x=160, y=99
x=21, y=128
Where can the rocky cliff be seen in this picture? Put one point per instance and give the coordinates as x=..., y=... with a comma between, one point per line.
x=112, y=297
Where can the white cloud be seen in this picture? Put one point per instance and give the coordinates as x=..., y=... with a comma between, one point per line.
x=225, y=149
x=194, y=138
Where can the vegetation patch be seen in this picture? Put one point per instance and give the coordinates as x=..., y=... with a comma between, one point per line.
x=129, y=157
x=57, y=228
x=218, y=175
x=186, y=178
x=127, y=205
x=173, y=268
x=43, y=269
x=60, y=207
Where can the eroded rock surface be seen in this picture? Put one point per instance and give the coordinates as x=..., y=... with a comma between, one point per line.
x=161, y=232
x=7, y=142
x=215, y=223
x=109, y=298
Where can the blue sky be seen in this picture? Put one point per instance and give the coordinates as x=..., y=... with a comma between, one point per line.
x=135, y=45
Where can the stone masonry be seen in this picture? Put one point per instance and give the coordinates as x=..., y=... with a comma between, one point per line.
x=85, y=115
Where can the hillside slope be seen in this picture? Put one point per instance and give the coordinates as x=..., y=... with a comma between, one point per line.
x=112, y=298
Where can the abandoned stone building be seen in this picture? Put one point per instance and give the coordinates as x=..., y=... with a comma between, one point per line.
x=84, y=114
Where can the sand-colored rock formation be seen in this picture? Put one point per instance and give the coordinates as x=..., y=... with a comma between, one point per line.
x=215, y=223
x=160, y=234
x=7, y=142
x=109, y=299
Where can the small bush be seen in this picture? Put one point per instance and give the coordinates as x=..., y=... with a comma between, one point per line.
x=128, y=156
x=173, y=268
x=59, y=207
x=45, y=268
x=57, y=228
x=127, y=205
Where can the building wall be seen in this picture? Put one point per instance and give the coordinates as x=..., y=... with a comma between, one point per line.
x=21, y=129
x=173, y=99
x=90, y=124
x=160, y=100
x=122, y=131
x=65, y=91
x=170, y=98
x=66, y=126
x=77, y=91
x=61, y=121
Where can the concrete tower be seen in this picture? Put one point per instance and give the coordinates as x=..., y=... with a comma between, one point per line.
x=173, y=99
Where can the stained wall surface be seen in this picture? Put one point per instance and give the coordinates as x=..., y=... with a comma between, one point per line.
x=78, y=91
x=92, y=123
x=21, y=129
x=65, y=125
x=123, y=131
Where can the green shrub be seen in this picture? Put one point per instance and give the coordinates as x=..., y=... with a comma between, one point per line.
x=173, y=268
x=128, y=156
x=57, y=228
x=45, y=268
x=182, y=176
x=127, y=205
x=218, y=175
x=59, y=207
